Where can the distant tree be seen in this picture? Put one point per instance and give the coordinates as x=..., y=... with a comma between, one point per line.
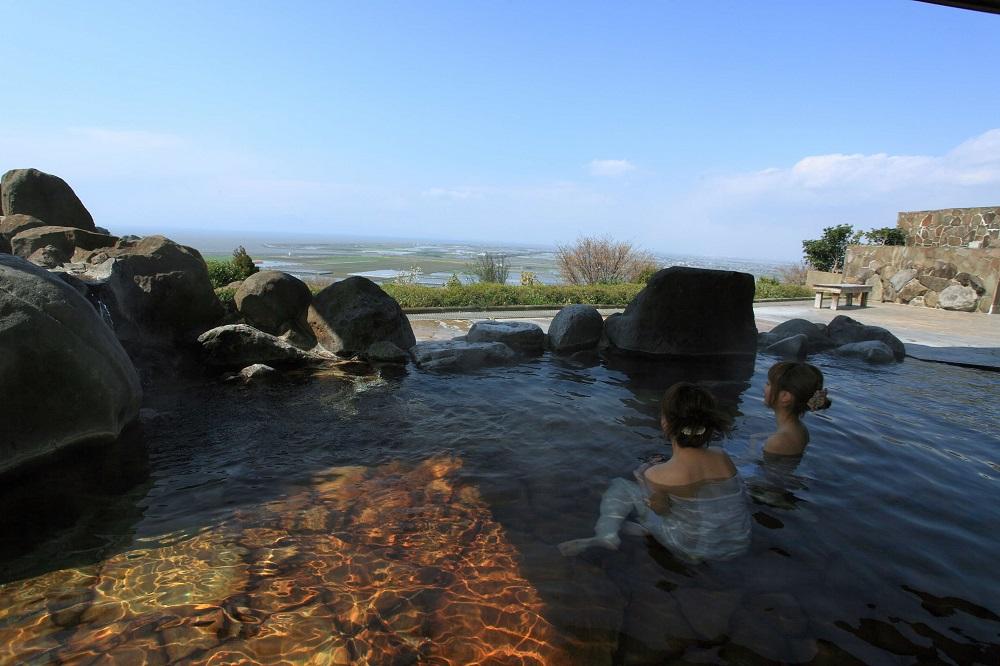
x=453, y=282
x=793, y=273
x=243, y=263
x=827, y=253
x=490, y=267
x=886, y=236
x=601, y=260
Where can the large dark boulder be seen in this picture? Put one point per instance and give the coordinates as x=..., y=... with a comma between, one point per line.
x=522, y=336
x=351, y=315
x=688, y=312
x=66, y=239
x=158, y=291
x=274, y=302
x=844, y=330
x=575, y=328
x=48, y=197
x=65, y=378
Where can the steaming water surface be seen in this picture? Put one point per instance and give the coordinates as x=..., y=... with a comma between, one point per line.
x=414, y=519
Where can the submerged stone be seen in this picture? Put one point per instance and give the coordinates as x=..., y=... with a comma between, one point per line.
x=461, y=356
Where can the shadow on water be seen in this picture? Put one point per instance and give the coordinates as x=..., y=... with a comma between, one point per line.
x=74, y=508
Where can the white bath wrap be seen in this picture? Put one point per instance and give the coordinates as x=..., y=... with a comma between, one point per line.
x=713, y=525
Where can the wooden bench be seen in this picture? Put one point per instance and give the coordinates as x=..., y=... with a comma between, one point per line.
x=835, y=290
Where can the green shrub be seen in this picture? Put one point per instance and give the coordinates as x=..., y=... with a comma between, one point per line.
x=244, y=263
x=647, y=273
x=226, y=295
x=223, y=271
x=771, y=288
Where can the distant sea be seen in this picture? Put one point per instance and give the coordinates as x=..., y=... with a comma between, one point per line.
x=424, y=262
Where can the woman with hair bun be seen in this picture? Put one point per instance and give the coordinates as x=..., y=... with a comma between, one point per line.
x=694, y=504
x=792, y=389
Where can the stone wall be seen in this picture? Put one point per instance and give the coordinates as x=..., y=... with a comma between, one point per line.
x=954, y=227
x=953, y=278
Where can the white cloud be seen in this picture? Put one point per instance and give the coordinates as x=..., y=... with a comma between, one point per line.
x=974, y=163
x=610, y=167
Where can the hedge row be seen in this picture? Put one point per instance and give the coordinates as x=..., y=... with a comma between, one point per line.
x=486, y=295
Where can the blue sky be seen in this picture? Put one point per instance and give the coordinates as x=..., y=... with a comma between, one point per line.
x=716, y=128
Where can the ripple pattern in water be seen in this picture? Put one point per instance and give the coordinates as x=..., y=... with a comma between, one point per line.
x=363, y=566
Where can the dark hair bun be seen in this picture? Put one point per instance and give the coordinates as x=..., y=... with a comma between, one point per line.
x=692, y=414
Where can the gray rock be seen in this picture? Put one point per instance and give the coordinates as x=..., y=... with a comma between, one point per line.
x=875, y=282
x=930, y=299
x=970, y=280
x=765, y=340
x=67, y=239
x=351, y=315
x=48, y=257
x=65, y=377
x=814, y=332
x=844, y=330
x=520, y=336
x=239, y=345
x=258, y=372
x=12, y=225
x=274, y=302
x=911, y=290
x=385, y=352
x=873, y=351
x=688, y=312
x=453, y=356
x=935, y=283
x=941, y=269
x=918, y=301
x=48, y=197
x=157, y=290
x=900, y=278
x=957, y=297
x=575, y=328
x=795, y=346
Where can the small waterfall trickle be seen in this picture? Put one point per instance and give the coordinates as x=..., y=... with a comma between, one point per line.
x=102, y=308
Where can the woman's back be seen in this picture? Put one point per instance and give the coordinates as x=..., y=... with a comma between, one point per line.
x=709, y=519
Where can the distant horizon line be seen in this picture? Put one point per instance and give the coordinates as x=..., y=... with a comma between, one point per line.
x=257, y=234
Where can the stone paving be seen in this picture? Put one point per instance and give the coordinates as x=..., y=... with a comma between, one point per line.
x=962, y=338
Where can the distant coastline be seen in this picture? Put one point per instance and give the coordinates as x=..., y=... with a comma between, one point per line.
x=318, y=258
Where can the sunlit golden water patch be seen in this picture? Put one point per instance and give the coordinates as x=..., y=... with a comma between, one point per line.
x=389, y=565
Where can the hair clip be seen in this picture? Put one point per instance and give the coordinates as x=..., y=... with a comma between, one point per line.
x=700, y=430
x=817, y=401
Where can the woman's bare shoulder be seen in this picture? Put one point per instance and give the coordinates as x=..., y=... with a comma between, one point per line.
x=666, y=474
x=784, y=443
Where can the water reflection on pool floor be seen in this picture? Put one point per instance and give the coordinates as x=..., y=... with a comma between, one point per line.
x=384, y=565
x=414, y=520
